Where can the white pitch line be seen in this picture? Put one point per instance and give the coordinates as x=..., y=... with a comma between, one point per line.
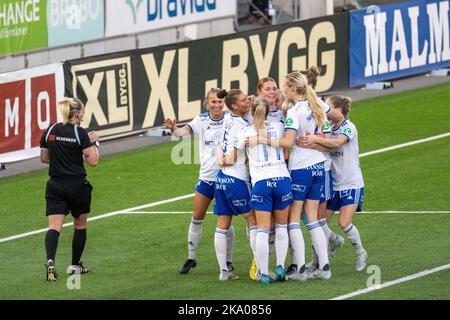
x=106, y=215
x=403, y=145
x=393, y=282
x=408, y=212
x=160, y=212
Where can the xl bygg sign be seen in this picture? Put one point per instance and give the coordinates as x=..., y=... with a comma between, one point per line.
x=134, y=90
x=397, y=40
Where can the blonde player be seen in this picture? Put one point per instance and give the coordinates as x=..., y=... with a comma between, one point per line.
x=348, y=183
x=232, y=190
x=209, y=127
x=334, y=241
x=267, y=88
x=307, y=171
x=271, y=190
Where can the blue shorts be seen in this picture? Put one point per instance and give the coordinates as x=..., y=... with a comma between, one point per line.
x=271, y=194
x=327, y=191
x=345, y=198
x=308, y=183
x=205, y=188
x=231, y=195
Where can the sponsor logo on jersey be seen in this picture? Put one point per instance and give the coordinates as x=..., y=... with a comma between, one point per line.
x=298, y=187
x=225, y=180
x=239, y=203
x=287, y=197
x=336, y=154
x=256, y=198
x=73, y=140
x=317, y=173
x=271, y=184
x=348, y=131
x=289, y=122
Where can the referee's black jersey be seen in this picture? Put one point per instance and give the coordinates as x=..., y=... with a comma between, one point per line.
x=65, y=143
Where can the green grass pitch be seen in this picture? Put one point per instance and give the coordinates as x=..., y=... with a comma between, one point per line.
x=138, y=256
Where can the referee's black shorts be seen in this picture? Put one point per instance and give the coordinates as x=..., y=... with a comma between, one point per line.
x=64, y=194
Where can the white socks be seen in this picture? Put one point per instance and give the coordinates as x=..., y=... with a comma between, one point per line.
x=297, y=244
x=252, y=232
x=326, y=229
x=272, y=237
x=353, y=235
x=194, y=236
x=262, y=250
x=230, y=244
x=319, y=242
x=220, y=244
x=281, y=243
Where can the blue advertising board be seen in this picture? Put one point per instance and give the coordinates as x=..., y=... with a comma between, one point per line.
x=398, y=40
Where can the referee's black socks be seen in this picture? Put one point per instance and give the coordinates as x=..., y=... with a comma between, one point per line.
x=78, y=243
x=51, y=243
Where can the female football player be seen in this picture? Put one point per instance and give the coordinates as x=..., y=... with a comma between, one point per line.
x=209, y=127
x=232, y=191
x=307, y=170
x=271, y=191
x=348, y=183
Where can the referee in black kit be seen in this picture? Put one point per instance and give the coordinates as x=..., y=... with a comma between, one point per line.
x=63, y=146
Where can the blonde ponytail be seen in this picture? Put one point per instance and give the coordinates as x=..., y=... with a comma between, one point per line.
x=316, y=109
x=260, y=111
x=298, y=81
x=65, y=109
x=285, y=106
x=69, y=107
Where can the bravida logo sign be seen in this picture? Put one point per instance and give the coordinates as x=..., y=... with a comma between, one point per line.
x=161, y=9
x=105, y=87
x=28, y=105
x=131, y=16
x=397, y=40
x=134, y=6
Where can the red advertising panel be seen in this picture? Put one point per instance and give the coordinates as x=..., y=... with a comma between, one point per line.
x=43, y=106
x=12, y=116
x=28, y=105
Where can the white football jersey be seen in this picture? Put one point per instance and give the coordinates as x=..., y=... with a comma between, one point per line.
x=265, y=161
x=232, y=127
x=300, y=119
x=210, y=133
x=327, y=130
x=326, y=108
x=276, y=116
x=345, y=159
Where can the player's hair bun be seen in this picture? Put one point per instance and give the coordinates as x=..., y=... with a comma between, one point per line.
x=222, y=94
x=347, y=100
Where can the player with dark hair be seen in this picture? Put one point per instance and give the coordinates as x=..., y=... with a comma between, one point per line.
x=348, y=183
x=232, y=193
